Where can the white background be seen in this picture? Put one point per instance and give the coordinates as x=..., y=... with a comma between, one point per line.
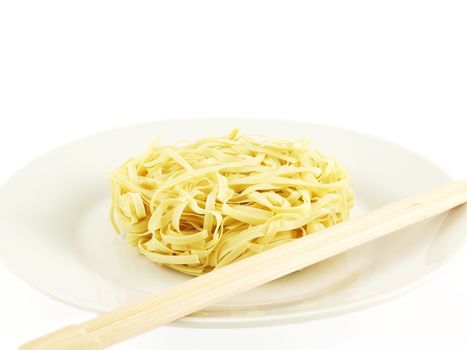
x=396, y=69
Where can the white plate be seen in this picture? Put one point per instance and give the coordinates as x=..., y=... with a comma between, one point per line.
x=56, y=235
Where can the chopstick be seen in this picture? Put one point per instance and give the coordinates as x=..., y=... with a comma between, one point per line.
x=197, y=293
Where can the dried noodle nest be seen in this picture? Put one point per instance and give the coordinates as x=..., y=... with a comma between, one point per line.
x=195, y=207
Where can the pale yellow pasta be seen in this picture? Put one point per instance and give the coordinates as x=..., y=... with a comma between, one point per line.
x=195, y=207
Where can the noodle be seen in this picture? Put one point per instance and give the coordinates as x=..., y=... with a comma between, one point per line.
x=195, y=207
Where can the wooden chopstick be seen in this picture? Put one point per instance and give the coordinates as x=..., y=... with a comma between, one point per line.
x=199, y=292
